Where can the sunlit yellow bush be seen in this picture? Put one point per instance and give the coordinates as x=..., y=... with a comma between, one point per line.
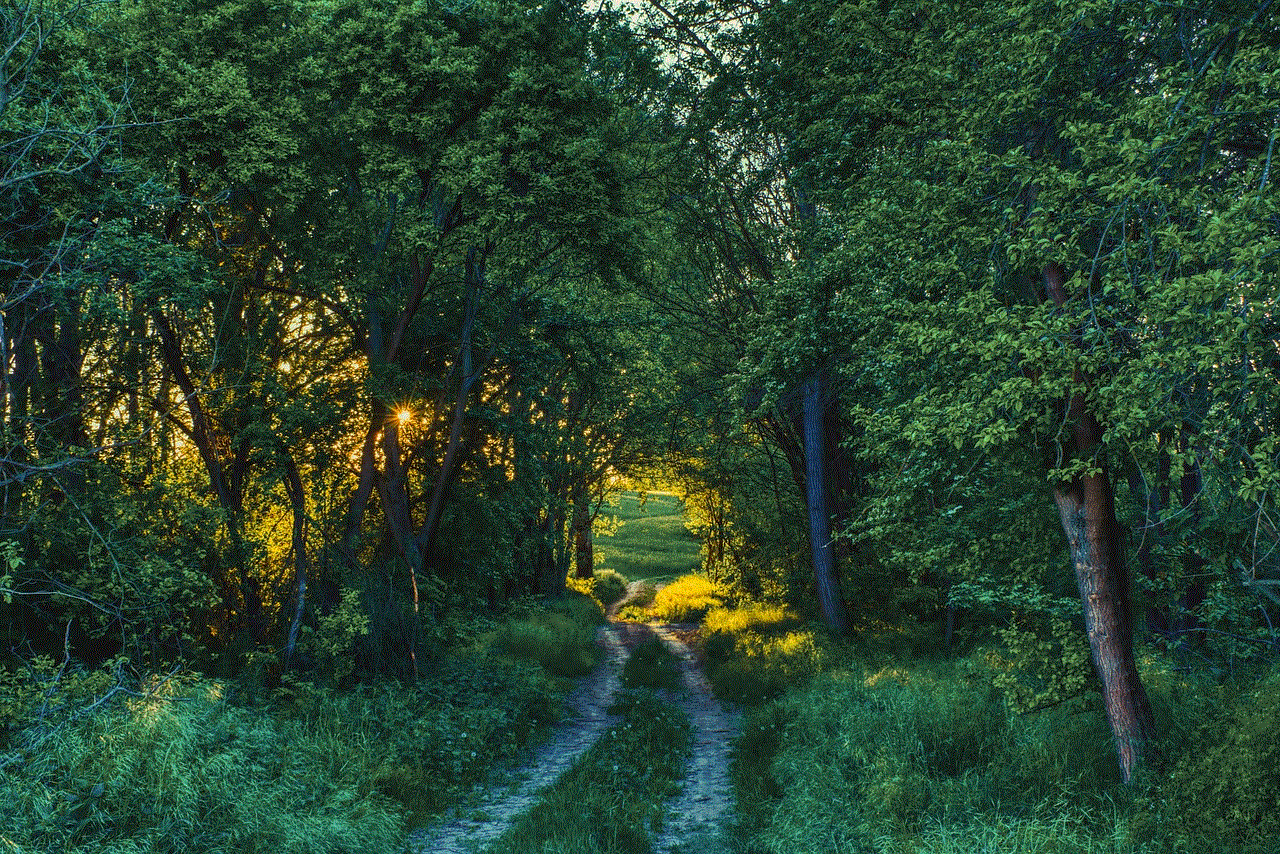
x=750, y=618
x=687, y=599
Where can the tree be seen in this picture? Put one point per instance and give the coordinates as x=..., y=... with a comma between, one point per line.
x=1079, y=155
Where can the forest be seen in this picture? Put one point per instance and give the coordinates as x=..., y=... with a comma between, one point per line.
x=343, y=343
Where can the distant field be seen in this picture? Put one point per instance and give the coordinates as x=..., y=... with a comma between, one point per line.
x=651, y=542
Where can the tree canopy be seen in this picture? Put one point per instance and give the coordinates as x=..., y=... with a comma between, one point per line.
x=328, y=325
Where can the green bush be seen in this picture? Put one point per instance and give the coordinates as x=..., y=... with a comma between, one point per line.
x=608, y=586
x=652, y=665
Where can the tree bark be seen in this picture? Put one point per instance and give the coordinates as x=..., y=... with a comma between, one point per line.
x=1086, y=507
x=297, y=501
x=584, y=564
x=824, y=564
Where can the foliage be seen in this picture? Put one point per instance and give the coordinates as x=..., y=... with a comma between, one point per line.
x=560, y=638
x=611, y=801
x=332, y=640
x=687, y=599
x=50, y=693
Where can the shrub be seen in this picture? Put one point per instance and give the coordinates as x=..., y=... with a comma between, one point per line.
x=757, y=618
x=608, y=586
x=687, y=599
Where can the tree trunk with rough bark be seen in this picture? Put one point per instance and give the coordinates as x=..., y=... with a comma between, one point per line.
x=584, y=564
x=1086, y=506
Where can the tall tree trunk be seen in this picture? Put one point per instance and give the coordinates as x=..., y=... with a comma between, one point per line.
x=824, y=563
x=584, y=564
x=297, y=501
x=1086, y=506
x=469, y=371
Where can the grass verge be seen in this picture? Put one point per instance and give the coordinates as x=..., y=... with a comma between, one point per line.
x=613, y=800
x=758, y=652
x=188, y=764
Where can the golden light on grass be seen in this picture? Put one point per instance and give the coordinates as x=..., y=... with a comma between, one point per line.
x=405, y=416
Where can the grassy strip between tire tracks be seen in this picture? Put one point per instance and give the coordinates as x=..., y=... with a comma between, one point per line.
x=613, y=800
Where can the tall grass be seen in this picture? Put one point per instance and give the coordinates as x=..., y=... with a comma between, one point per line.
x=757, y=652
x=190, y=765
x=928, y=758
x=560, y=637
x=185, y=772
x=652, y=665
x=904, y=761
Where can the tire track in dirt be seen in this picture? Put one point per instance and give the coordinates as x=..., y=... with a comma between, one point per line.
x=705, y=803
x=589, y=701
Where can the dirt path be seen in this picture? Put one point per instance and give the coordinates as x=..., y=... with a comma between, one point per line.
x=590, y=702
x=700, y=811
x=706, y=797
x=633, y=588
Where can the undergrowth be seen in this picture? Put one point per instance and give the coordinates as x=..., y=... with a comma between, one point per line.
x=687, y=599
x=928, y=756
x=613, y=799
x=560, y=637
x=183, y=771
x=98, y=763
x=604, y=586
x=756, y=652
